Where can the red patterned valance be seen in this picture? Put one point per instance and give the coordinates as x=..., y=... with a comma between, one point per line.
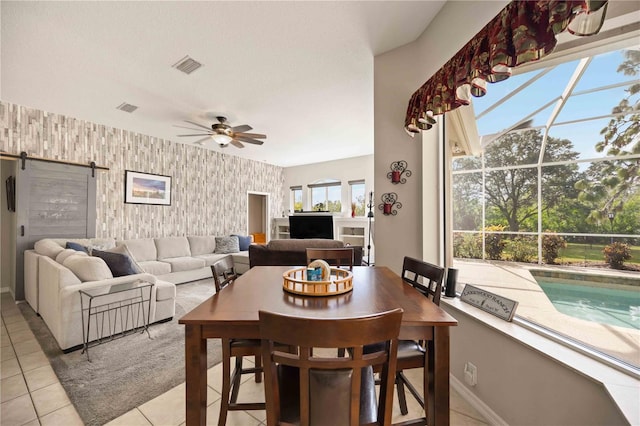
x=522, y=32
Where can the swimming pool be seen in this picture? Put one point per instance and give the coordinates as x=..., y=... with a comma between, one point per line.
x=593, y=303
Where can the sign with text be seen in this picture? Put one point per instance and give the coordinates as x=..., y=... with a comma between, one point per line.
x=496, y=305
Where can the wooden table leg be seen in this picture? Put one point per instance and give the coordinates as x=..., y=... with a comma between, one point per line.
x=438, y=354
x=196, y=375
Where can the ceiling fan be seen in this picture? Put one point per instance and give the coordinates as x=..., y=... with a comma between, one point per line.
x=223, y=134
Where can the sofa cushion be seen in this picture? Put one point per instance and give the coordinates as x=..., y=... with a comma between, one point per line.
x=169, y=247
x=241, y=257
x=77, y=247
x=66, y=253
x=227, y=245
x=184, y=263
x=165, y=290
x=202, y=245
x=210, y=259
x=88, y=268
x=120, y=264
x=155, y=267
x=48, y=247
x=142, y=249
x=243, y=241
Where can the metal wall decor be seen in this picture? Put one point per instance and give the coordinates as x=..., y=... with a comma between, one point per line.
x=389, y=204
x=398, y=168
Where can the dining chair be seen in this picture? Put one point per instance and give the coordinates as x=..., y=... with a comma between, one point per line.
x=306, y=387
x=224, y=274
x=427, y=279
x=340, y=257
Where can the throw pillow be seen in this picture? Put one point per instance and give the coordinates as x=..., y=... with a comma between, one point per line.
x=77, y=247
x=119, y=264
x=123, y=249
x=243, y=241
x=66, y=253
x=48, y=247
x=227, y=245
x=88, y=268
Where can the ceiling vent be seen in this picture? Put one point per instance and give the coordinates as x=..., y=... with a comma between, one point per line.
x=187, y=65
x=126, y=107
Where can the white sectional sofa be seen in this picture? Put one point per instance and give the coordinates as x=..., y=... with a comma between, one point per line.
x=54, y=275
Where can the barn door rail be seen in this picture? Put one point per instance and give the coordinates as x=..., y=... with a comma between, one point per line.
x=23, y=157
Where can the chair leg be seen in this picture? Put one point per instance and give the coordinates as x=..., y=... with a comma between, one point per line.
x=402, y=399
x=403, y=379
x=258, y=373
x=235, y=380
x=226, y=381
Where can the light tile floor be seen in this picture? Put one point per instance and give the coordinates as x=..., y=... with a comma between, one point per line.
x=32, y=395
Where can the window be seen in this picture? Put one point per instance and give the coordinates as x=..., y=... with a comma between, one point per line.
x=564, y=191
x=326, y=196
x=296, y=199
x=358, y=197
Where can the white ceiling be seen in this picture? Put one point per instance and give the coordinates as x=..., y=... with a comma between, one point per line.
x=300, y=72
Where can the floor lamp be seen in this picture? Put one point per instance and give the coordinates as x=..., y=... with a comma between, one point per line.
x=370, y=216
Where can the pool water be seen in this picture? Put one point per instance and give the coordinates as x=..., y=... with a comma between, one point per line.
x=598, y=304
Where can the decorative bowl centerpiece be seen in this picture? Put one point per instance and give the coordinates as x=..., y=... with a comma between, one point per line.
x=332, y=281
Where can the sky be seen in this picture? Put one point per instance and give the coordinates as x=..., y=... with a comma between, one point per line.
x=602, y=71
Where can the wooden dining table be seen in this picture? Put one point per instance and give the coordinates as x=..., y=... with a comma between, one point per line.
x=233, y=313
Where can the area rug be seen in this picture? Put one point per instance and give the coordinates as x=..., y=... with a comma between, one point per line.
x=126, y=372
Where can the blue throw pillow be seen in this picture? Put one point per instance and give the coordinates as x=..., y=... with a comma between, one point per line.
x=244, y=241
x=77, y=247
x=119, y=264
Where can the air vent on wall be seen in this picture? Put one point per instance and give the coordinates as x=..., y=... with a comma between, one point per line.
x=126, y=107
x=187, y=65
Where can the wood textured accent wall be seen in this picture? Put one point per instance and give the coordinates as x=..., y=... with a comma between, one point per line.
x=209, y=188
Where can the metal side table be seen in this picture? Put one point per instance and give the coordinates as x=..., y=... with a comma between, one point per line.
x=116, y=310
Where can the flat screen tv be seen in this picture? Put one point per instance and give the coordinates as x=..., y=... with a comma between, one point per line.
x=311, y=226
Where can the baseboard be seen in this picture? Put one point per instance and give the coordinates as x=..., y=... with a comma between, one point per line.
x=471, y=398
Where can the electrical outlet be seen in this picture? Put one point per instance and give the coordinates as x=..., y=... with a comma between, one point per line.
x=470, y=374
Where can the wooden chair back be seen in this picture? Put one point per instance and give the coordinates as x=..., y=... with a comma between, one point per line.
x=224, y=272
x=340, y=257
x=305, y=334
x=424, y=276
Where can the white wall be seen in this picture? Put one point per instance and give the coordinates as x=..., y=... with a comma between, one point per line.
x=552, y=392
x=397, y=75
x=343, y=170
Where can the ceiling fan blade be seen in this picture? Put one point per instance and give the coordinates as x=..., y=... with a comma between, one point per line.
x=248, y=140
x=236, y=143
x=242, y=128
x=198, y=134
x=201, y=141
x=198, y=124
x=252, y=135
x=190, y=128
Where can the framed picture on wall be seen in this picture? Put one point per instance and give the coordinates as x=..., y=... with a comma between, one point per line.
x=146, y=188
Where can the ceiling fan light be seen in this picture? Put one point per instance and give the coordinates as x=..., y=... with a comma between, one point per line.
x=221, y=139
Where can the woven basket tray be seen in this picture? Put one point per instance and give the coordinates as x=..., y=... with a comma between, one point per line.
x=295, y=281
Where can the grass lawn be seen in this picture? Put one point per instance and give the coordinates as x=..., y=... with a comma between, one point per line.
x=593, y=253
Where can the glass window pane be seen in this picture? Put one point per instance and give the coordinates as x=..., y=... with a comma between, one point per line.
x=547, y=88
x=334, y=195
x=514, y=149
x=466, y=163
x=561, y=209
x=358, y=198
x=511, y=199
x=603, y=70
x=593, y=104
x=467, y=201
x=318, y=199
x=297, y=199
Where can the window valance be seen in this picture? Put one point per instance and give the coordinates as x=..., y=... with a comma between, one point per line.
x=522, y=32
